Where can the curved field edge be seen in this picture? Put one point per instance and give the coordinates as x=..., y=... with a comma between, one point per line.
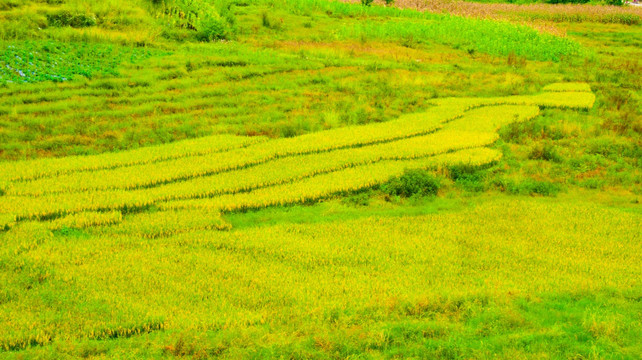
x=351, y=179
x=446, y=286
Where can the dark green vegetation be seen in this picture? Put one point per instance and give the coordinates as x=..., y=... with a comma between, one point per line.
x=91, y=77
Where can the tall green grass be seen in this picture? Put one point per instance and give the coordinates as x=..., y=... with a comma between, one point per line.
x=472, y=35
x=406, y=25
x=35, y=61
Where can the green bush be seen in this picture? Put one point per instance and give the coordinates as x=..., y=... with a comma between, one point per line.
x=268, y=22
x=593, y=183
x=533, y=187
x=9, y=4
x=207, y=21
x=361, y=198
x=411, y=183
x=527, y=187
x=469, y=178
x=545, y=151
x=64, y=18
x=366, y=2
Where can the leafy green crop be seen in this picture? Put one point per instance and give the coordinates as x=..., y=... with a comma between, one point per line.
x=35, y=61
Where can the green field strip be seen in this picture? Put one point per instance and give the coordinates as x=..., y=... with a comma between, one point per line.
x=60, y=92
x=343, y=181
x=141, y=99
x=33, y=169
x=122, y=88
x=58, y=107
x=53, y=96
x=42, y=87
x=121, y=92
x=128, y=86
x=144, y=106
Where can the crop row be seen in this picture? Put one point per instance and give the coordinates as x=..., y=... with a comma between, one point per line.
x=407, y=125
x=184, y=168
x=135, y=98
x=564, y=87
x=488, y=119
x=271, y=173
x=149, y=104
x=365, y=175
x=343, y=181
x=566, y=100
x=33, y=169
x=275, y=171
x=86, y=219
x=476, y=128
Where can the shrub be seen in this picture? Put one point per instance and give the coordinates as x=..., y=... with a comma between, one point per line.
x=532, y=187
x=625, y=106
x=270, y=23
x=211, y=28
x=545, y=151
x=205, y=20
x=469, y=178
x=366, y=2
x=67, y=18
x=527, y=187
x=265, y=20
x=515, y=60
x=361, y=198
x=413, y=182
x=593, y=183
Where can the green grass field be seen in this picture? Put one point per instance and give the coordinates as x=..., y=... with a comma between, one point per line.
x=311, y=179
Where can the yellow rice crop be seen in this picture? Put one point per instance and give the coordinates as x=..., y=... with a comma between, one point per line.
x=349, y=155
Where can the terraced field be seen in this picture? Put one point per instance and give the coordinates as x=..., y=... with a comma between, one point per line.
x=320, y=179
x=227, y=173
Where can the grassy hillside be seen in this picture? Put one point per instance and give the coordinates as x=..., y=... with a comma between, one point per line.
x=317, y=179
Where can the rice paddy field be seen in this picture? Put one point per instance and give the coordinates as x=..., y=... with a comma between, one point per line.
x=316, y=179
